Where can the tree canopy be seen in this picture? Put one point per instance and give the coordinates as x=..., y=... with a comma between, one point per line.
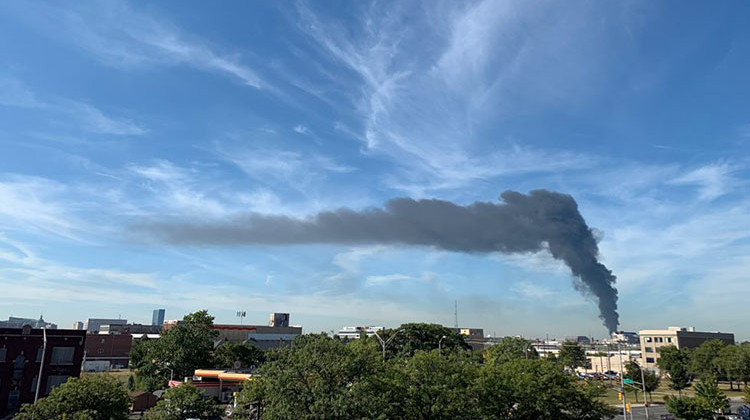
x=89, y=398
x=181, y=349
x=421, y=336
x=184, y=402
x=509, y=348
x=320, y=377
x=572, y=355
x=675, y=362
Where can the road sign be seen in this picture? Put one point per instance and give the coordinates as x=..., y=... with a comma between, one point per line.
x=629, y=381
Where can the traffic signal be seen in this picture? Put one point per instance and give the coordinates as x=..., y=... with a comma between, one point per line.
x=627, y=407
x=619, y=396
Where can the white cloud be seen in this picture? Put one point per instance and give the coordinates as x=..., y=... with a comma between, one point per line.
x=178, y=191
x=302, y=129
x=532, y=291
x=95, y=121
x=122, y=37
x=386, y=279
x=14, y=93
x=278, y=166
x=88, y=117
x=713, y=180
x=36, y=203
x=425, y=103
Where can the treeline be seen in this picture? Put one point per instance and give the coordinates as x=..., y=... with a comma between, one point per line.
x=426, y=371
x=320, y=377
x=713, y=361
x=702, y=368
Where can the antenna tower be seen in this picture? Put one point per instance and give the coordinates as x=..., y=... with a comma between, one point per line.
x=455, y=313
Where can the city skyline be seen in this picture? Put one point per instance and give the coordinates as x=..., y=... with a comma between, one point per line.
x=121, y=115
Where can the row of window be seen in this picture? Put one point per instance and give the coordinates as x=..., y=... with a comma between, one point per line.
x=60, y=355
x=658, y=339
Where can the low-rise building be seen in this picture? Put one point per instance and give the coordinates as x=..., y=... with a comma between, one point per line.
x=107, y=350
x=93, y=325
x=652, y=340
x=16, y=322
x=353, y=333
x=129, y=329
x=473, y=337
x=23, y=350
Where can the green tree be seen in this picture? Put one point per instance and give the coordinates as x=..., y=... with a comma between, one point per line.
x=183, y=402
x=313, y=379
x=675, y=362
x=704, y=360
x=423, y=337
x=436, y=386
x=91, y=397
x=707, y=390
x=180, y=350
x=572, y=355
x=732, y=364
x=509, y=348
x=688, y=408
x=650, y=379
x=246, y=354
x=536, y=389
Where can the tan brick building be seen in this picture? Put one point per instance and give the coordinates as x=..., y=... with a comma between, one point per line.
x=680, y=337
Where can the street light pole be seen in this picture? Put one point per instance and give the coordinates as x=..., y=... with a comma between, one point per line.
x=384, y=343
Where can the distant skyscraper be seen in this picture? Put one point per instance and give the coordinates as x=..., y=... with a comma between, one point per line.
x=158, y=317
x=78, y=325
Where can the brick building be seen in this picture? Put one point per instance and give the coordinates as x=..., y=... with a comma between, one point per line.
x=22, y=351
x=112, y=348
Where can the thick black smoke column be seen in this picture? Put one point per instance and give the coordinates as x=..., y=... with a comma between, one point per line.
x=521, y=224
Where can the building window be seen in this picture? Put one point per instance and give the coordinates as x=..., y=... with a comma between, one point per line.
x=3, y=352
x=648, y=339
x=39, y=352
x=55, y=380
x=660, y=339
x=669, y=339
x=100, y=351
x=33, y=383
x=62, y=355
x=649, y=349
x=14, y=398
x=649, y=360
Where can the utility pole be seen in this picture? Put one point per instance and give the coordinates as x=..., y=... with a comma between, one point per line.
x=645, y=398
x=622, y=383
x=41, y=364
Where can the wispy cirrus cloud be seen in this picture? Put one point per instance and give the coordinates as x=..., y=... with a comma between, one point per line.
x=28, y=202
x=290, y=168
x=712, y=180
x=122, y=37
x=427, y=105
x=95, y=121
x=87, y=117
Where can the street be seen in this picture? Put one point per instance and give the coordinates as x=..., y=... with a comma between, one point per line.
x=638, y=412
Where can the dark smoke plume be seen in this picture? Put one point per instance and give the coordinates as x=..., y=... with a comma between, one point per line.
x=520, y=224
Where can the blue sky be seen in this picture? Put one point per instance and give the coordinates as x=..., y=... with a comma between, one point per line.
x=113, y=114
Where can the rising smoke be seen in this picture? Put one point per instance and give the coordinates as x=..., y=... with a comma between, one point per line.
x=520, y=224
